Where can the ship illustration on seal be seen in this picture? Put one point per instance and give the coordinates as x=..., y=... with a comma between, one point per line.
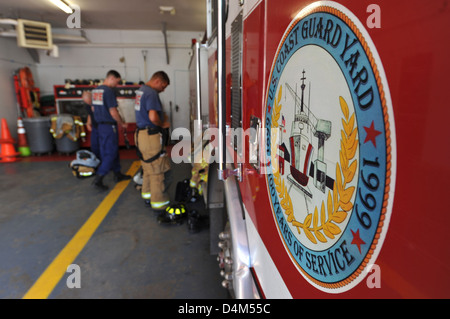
x=299, y=152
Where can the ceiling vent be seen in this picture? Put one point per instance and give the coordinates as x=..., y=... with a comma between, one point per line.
x=34, y=34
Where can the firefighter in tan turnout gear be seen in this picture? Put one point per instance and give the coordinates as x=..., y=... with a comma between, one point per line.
x=150, y=140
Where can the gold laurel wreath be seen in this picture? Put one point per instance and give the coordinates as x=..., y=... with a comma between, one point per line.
x=338, y=201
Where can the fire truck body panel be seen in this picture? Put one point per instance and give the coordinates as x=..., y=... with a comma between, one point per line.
x=411, y=45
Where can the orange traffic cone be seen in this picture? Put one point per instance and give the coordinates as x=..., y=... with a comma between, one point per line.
x=22, y=144
x=8, y=153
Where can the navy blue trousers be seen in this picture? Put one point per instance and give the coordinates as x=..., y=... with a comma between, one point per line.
x=95, y=146
x=108, y=139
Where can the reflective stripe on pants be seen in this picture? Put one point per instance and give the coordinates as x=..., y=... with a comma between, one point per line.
x=153, y=173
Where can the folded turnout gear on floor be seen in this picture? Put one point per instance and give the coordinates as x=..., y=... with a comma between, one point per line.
x=85, y=164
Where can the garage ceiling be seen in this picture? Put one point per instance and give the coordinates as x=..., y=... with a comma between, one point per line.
x=190, y=15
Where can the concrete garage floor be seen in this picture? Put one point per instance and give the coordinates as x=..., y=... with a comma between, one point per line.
x=42, y=207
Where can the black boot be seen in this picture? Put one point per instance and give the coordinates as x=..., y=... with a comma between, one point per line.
x=118, y=177
x=193, y=221
x=98, y=183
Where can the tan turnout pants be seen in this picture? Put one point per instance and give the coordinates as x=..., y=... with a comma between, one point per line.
x=153, y=173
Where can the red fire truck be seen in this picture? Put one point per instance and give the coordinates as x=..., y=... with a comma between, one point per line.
x=328, y=116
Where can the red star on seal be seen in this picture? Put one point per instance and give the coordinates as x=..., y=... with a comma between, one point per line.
x=372, y=133
x=357, y=240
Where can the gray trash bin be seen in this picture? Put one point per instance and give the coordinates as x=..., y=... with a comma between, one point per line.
x=38, y=134
x=66, y=145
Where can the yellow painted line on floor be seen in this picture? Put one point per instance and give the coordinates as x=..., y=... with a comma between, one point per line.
x=56, y=270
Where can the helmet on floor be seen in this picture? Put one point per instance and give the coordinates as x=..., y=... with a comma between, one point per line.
x=173, y=214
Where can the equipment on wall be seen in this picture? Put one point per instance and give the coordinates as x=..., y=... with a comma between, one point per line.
x=68, y=100
x=27, y=94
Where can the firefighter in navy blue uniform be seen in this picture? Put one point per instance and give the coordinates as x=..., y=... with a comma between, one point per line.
x=108, y=119
x=150, y=139
x=91, y=124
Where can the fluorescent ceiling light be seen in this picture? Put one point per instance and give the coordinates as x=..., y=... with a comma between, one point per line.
x=62, y=5
x=169, y=9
